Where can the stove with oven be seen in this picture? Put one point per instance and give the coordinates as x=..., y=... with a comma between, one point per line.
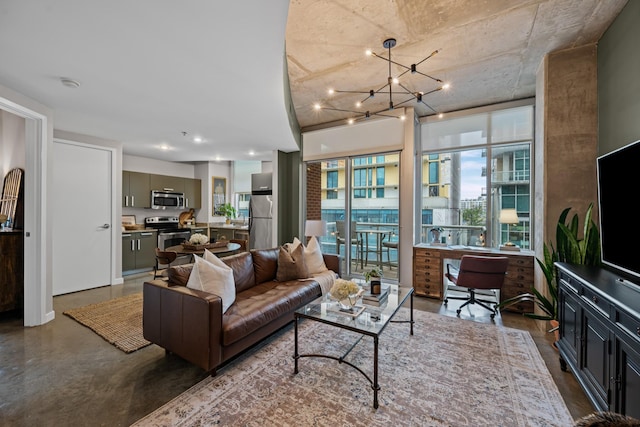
x=169, y=232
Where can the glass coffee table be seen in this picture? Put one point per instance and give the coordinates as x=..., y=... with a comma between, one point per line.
x=370, y=322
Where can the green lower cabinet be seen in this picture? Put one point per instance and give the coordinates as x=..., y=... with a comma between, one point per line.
x=138, y=250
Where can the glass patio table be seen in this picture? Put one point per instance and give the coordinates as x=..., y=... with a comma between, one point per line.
x=370, y=322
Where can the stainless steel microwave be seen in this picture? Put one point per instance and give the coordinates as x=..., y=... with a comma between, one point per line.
x=166, y=200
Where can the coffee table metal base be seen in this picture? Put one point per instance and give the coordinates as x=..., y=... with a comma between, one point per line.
x=374, y=382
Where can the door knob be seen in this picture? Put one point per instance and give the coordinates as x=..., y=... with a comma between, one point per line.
x=105, y=226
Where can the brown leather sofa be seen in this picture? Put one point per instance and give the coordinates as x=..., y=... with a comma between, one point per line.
x=190, y=323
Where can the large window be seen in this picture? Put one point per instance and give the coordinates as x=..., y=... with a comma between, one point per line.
x=371, y=213
x=467, y=155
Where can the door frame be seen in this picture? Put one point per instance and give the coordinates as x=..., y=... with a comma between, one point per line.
x=38, y=299
x=113, y=279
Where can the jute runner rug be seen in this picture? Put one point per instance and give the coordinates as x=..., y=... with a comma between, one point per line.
x=452, y=372
x=119, y=321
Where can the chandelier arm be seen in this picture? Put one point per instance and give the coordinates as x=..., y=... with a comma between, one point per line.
x=405, y=88
x=431, y=77
x=390, y=61
x=341, y=110
x=405, y=101
x=350, y=91
x=432, y=54
x=432, y=91
x=403, y=73
x=430, y=107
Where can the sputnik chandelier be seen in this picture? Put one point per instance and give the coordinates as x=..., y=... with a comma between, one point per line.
x=388, y=88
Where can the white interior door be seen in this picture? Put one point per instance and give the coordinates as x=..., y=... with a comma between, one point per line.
x=81, y=228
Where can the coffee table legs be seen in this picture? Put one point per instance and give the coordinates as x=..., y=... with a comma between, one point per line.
x=296, y=356
x=375, y=384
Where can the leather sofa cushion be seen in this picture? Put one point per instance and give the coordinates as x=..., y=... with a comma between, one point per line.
x=262, y=304
x=243, y=273
x=265, y=264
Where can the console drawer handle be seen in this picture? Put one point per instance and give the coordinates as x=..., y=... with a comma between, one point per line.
x=594, y=299
x=638, y=330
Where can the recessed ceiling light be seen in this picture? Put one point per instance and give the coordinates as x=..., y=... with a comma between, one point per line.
x=74, y=84
x=164, y=147
x=197, y=139
x=252, y=153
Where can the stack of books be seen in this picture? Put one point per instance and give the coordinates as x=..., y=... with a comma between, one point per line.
x=377, y=299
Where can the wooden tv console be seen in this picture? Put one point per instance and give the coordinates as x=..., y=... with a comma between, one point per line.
x=429, y=269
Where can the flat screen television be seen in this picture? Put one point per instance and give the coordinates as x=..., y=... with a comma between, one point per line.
x=618, y=177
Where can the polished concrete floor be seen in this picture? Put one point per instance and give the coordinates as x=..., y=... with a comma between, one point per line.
x=63, y=374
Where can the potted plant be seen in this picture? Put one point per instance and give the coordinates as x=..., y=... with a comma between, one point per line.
x=374, y=272
x=228, y=211
x=570, y=249
x=373, y=276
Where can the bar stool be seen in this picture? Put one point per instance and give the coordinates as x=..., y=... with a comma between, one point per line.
x=387, y=245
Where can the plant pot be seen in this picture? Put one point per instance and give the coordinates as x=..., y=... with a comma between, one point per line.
x=556, y=332
x=228, y=221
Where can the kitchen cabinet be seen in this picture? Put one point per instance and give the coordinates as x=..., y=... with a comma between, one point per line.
x=192, y=193
x=429, y=268
x=139, y=250
x=232, y=232
x=166, y=182
x=599, y=315
x=137, y=186
x=136, y=192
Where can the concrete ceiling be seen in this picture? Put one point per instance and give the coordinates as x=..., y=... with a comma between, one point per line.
x=150, y=70
x=489, y=50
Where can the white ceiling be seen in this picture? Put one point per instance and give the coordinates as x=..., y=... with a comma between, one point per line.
x=152, y=69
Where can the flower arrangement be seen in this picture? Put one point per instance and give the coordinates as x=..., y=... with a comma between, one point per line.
x=199, y=239
x=342, y=289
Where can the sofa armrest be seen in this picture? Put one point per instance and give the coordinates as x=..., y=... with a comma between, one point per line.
x=183, y=321
x=332, y=261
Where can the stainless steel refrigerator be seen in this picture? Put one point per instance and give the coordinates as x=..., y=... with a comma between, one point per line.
x=260, y=212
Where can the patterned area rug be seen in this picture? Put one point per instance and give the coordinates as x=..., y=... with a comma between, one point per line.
x=119, y=321
x=452, y=372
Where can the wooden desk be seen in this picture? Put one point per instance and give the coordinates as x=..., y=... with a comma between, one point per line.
x=429, y=269
x=230, y=249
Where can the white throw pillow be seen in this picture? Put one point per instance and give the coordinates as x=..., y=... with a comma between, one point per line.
x=214, y=277
x=313, y=257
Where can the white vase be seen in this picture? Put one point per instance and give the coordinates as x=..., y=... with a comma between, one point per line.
x=348, y=303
